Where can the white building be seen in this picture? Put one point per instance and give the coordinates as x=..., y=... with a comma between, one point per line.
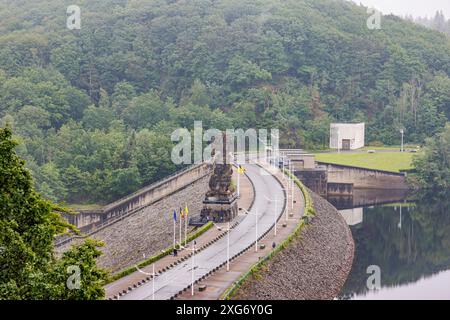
x=347, y=136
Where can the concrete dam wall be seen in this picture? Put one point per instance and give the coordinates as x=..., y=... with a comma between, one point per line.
x=141, y=225
x=87, y=220
x=362, y=178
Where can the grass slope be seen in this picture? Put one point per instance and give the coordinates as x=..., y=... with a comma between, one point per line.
x=387, y=161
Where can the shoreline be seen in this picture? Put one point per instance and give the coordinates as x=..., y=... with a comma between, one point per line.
x=314, y=267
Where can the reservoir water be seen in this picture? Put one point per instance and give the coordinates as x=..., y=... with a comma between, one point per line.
x=406, y=239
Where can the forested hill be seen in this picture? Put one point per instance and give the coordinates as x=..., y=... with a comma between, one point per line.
x=95, y=107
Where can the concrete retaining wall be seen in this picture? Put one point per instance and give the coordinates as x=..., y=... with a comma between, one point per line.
x=362, y=178
x=148, y=230
x=88, y=220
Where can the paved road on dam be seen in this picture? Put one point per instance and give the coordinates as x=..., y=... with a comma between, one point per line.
x=164, y=286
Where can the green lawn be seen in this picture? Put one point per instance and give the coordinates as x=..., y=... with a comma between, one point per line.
x=388, y=161
x=394, y=148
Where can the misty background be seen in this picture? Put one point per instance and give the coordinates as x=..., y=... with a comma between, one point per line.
x=416, y=8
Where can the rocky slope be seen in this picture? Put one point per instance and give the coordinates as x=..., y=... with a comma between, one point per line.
x=315, y=266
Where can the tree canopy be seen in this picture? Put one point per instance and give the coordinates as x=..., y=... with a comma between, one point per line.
x=29, y=268
x=81, y=101
x=433, y=165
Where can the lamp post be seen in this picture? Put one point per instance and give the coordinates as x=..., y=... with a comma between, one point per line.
x=228, y=247
x=402, y=133
x=292, y=186
x=256, y=226
x=193, y=266
x=153, y=274
x=286, y=210
x=275, y=212
x=228, y=243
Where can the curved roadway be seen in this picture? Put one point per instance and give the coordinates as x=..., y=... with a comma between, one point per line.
x=180, y=277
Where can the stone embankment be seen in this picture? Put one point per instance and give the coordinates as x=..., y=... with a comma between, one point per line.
x=147, y=231
x=313, y=267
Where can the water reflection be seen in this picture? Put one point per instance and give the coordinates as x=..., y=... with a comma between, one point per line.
x=409, y=241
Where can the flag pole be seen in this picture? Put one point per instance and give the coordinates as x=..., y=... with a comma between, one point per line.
x=174, y=232
x=185, y=224
x=181, y=223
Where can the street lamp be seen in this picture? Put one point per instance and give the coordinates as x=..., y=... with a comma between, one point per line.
x=402, y=133
x=193, y=266
x=153, y=274
x=256, y=226
x=228, y=243
x=286, y=210
x=276, y=209
x=291, y=180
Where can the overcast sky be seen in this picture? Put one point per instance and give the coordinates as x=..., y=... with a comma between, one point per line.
x=417, y=8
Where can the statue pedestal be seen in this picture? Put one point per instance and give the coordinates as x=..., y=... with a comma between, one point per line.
x=220, y=210
x=220, y=204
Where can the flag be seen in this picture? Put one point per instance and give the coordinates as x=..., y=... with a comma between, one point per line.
x=181, y=213
x=175, y=215
x=186, y=211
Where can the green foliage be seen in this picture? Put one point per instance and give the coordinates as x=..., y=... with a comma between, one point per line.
x=76, y=98
x=28, y=226
x=433, y=164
